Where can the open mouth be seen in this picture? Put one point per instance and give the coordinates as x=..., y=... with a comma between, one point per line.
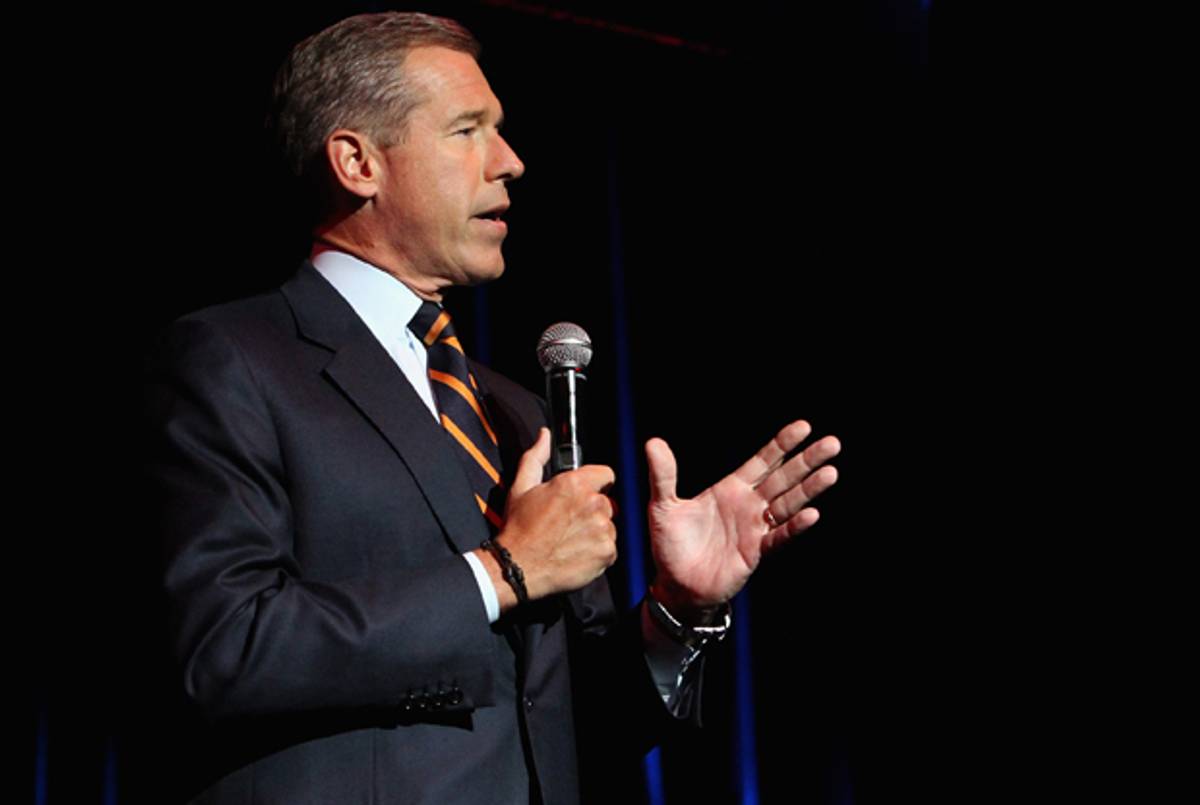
x=494, y=220
x=495, y=214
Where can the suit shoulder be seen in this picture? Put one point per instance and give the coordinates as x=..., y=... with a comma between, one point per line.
x=267, y=310
x=257, y=328
x=247, y=320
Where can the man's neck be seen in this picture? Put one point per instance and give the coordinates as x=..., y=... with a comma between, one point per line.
x=369, y=253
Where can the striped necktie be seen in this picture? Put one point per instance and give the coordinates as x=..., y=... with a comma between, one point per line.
x=461, y=409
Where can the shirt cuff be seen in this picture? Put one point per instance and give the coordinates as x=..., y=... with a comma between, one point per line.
x=491, y=601
x=669, y=662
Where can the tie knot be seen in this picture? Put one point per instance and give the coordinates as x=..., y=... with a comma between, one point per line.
x=432, y=324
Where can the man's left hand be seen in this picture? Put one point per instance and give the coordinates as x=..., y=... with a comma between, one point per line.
x=707, y=547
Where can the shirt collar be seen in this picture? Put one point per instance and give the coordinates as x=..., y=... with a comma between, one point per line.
x=385, y=304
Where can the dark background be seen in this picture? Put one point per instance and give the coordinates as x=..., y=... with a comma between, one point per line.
x=762, y=180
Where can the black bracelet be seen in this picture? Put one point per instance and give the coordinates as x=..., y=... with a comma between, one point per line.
x=511, y=570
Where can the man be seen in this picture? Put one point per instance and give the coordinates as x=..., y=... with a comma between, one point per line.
x=374, y=595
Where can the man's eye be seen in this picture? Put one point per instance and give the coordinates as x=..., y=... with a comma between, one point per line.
x=467, y=130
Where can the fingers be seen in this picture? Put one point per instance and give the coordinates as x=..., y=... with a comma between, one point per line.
x=593, y=482
x=802, y=521
x=596, y=477
x=596, y=480
x=766, y=459
x=663, y=470
x=790, y=504
x=799, y=467
x=529, y=470
x=615, y=508
x=790, y=487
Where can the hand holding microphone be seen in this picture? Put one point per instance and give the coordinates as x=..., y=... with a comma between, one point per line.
x=559, y=532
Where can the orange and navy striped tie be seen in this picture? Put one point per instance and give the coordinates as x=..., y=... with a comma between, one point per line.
x=461, y=409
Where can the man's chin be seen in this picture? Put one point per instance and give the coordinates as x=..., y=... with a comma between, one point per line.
x=481, y=275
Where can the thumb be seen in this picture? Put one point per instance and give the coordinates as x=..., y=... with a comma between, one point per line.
x=663, y=471
x=529, y=470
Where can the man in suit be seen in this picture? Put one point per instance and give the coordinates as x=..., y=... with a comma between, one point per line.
x=375, y=596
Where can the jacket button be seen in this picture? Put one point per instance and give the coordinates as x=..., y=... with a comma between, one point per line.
x=528, y=703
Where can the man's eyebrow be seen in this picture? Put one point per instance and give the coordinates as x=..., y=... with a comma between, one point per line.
x=474, y=115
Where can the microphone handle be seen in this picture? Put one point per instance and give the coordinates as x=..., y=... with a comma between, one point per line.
x=564, y=390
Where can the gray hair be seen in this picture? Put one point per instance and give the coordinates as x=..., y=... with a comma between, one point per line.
x=350, y=76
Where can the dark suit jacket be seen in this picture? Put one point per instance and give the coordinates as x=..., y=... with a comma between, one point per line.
x=324, y=623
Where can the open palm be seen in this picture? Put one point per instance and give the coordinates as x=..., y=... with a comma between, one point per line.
x=706, y=547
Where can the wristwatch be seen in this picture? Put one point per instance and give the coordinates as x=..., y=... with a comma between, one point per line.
x=693, y=637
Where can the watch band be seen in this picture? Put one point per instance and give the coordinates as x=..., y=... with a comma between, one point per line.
x=694, y=637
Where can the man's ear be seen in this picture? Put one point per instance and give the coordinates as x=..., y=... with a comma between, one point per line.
x=353, y=162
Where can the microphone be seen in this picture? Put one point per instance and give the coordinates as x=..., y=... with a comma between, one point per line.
x=564, y=351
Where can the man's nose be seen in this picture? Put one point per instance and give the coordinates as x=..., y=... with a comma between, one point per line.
x=506, y=165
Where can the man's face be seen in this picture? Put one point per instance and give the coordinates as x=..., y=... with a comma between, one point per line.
x=447, y=175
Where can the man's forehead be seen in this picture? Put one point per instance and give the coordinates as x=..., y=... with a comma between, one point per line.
x=451, y=82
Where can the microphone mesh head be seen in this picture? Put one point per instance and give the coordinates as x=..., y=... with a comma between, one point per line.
x=564, y=345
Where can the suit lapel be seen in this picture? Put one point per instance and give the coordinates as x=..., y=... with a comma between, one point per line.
x=366, y=374
x=371, y=381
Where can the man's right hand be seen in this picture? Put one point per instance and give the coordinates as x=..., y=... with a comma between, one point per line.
x=560, y=532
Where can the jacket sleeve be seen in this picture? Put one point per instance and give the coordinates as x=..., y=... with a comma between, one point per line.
x=252, y=635
x=619, y=713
